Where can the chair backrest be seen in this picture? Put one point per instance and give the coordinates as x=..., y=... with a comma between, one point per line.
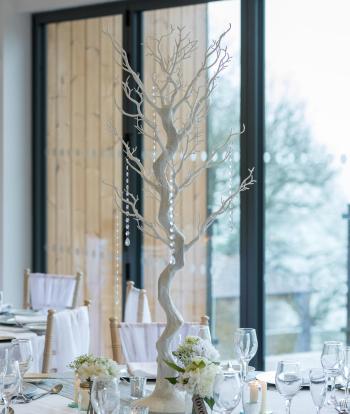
x=45, y=291
x=135, y=342
x=67, y=337
x=136, y=305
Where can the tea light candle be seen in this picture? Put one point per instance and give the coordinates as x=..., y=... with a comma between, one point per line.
x=254, y=391
x=263, y=386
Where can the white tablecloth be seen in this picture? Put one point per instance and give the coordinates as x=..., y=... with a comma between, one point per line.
x=38, y=343
x=302, y=404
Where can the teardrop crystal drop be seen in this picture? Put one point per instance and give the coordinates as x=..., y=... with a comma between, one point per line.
x=172, y=260
x=127, y=242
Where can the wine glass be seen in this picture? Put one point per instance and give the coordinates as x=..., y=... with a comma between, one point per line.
x=332, y=362
x=318, y=387
x=346, y=369
x=22, y=351
x=288, y=381
x=246, y=345
x=105, y=395
x=202, y=331
x=252, y=397
x=10, y=383
x=227, y=392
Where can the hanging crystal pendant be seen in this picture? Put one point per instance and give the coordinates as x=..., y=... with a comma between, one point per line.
x=172, y=259
x=127, y=207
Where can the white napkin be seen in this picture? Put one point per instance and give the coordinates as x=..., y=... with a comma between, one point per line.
x=143, y=369
x=22, y=320
x=5, y=307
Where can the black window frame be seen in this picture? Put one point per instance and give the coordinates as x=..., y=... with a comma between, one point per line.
x=252, y=284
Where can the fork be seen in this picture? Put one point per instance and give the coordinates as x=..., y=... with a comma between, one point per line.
x=342, y=407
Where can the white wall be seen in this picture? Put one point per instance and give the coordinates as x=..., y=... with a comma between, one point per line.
x=15, y=138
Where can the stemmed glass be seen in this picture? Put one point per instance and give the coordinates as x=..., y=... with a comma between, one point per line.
x=288, y=381
x=10, y=383
x=105, y=395
x=318, y=387
x=332, y=362
x=22, y=351
x=246, y=345
x=346, y=370
x=227, y=392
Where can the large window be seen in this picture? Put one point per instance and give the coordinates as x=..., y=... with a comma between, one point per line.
x=278, y=263
x=307, y=176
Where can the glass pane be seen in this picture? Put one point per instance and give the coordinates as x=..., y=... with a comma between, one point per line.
x=307, y=176
x=83, y=81
x=212, y=265
x=224, y=115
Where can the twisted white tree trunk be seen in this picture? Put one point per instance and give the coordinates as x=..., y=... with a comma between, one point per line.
x=173, y=93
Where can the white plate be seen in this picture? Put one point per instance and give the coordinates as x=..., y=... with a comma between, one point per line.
x=269, y=378
x=23, y=312
x=36, y=327
x=8, y=321
x=234, y=365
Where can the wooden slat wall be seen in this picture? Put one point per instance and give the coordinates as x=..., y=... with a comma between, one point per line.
x=81, y=156
x=83, y=82
x=189, y=289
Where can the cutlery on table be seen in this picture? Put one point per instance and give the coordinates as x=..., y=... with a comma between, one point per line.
x=342, y=407
x=56, y=389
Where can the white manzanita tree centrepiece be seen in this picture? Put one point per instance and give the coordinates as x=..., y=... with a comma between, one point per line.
x=176, y=140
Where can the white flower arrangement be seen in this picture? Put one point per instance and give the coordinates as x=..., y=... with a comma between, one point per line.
x=89, y=366
x=198, y=365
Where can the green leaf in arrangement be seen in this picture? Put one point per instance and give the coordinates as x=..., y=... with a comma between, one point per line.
x=210, y=402
x=174, y=366
x=172, y=380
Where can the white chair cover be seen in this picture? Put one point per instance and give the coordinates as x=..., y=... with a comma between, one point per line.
x=51, y=291
x=132, y=304
x=138, y=340
x=71, y=337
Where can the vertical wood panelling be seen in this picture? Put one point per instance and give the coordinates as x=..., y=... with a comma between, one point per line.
x=93, y=173
x=63, y=177
x=189, y=288
x=106, y=167
x=84, y=81
x=51, y=247
x=78, y=145
x=82, y=159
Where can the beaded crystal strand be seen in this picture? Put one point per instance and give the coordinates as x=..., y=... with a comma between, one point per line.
x=127, y=218
x=171, y=219
x=231, y=177
x=116, y=258
x=154, y=151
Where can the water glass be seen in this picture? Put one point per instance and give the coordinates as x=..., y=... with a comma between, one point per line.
x=252, y=396
x=227, y=392
x=21, y=350
x=346, y=369
x=137, y=387
x=105, y=395
x=246, y=345
x=288, y=381
x=10, y=383
x=4, y=358
x=318, y=387
x=332, y=359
